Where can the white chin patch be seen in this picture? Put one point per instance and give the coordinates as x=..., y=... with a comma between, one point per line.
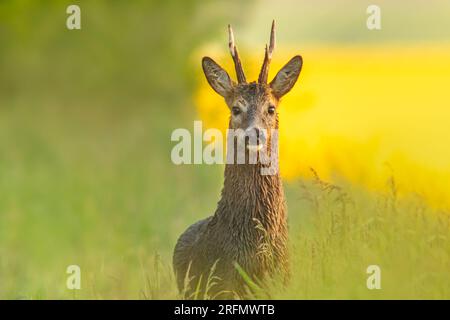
x=255, y=148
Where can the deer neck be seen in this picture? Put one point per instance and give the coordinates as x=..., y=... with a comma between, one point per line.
x=250, y=198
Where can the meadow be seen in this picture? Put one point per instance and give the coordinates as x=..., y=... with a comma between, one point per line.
x=86, y=177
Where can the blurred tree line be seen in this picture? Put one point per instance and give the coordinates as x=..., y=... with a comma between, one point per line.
x=127, y=52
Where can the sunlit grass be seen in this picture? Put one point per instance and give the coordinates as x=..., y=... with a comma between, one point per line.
x=349, y=229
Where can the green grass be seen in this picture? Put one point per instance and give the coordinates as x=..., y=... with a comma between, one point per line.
x=347, y=229
x=77, y=193
x=97, y=189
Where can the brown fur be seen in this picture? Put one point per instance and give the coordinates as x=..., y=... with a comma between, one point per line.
x=249, y=226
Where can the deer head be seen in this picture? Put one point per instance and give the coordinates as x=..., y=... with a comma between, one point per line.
x=253, y=105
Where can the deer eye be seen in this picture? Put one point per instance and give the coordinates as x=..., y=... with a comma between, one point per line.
x=236, y=111
x=271, y=109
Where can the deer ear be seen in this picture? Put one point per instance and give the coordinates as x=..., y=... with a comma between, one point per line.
x=217, y=77
x=286, y=77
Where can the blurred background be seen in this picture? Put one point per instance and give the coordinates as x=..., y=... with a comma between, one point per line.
x=86, y=117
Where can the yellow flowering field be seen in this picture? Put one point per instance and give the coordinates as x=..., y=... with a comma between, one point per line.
x=359, y=113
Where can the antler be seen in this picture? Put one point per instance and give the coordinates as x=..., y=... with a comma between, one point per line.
x=267, y=57
x=234, y=53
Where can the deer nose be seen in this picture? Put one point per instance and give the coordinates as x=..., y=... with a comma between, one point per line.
x=256, y=136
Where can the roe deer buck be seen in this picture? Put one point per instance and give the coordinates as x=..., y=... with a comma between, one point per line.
x=249, y=226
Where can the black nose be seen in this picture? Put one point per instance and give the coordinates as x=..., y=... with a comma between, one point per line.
x=255, y=135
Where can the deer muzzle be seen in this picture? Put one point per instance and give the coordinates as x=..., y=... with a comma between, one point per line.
x=255, y=138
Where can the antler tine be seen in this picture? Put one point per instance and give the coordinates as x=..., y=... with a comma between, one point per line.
x=263, y=75
x=234, y=53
